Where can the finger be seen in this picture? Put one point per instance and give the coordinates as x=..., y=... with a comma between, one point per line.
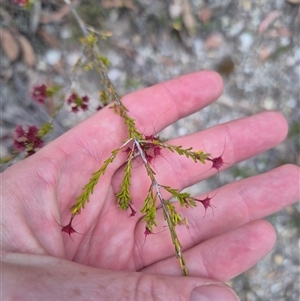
x=244, y=138
x=235, y=205
x=225, y=256
x=49, y=278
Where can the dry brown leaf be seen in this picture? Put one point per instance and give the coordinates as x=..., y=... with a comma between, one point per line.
x=284, y=32
x=205, y=14
x=55, y=17
x=9, y=45
x=59, y=68
x=213, y=41
x=264, y=53
x=188, y=18
x=28, y=54
x=271, y=17
x=48, y=38
x=117, y=3
x=130, y=52
x=168, y=62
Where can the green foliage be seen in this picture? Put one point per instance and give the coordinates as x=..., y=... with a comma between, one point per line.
x=89, y=40
x=134, y=133
x=184, y=198
x=45, y=129
x=124, y=197
x=149, y=210
x=104, y=60
x=195, y=156
x=88, y=189
x=53, y=90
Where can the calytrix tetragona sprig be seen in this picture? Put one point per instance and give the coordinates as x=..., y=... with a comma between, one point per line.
x=147, y=148
x=142, y=146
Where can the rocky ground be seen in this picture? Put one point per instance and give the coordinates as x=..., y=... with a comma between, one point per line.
x=254, y=45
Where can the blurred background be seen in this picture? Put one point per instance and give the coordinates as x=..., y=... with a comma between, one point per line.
x=254, y=45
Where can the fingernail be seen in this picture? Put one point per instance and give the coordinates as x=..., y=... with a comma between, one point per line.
x=213, y=293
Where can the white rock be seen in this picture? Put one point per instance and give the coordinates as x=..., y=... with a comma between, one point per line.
x=285, y=41
x=246, y=41
x=175, y=10
x=52, y=56
x=114, y=74
x=236, y=29
x=72, y=58
x=275, y=288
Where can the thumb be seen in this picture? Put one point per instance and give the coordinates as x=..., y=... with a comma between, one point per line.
x=154, y=287
x=48, y=278
x=213, y=292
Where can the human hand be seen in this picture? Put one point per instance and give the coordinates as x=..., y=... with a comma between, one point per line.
x=102, y=262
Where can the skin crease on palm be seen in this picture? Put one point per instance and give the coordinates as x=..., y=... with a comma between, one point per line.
x=109, y=253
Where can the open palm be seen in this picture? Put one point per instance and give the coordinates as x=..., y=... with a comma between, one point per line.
x=38, y=191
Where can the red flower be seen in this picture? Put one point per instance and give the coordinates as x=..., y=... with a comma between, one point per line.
x=150, y=147
x=19, y=131
x=78, y=103
x=133, y=212
x=31, y=133
x=206, y=203
x=19, y=145
x=69, y=228
x=22, y=2
x=147, y=232
x=217, y=162
x=39, y=93
x=27, y=140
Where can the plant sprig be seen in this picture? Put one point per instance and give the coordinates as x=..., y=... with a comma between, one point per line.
x=88, y=189
x=184, y=198
x=123, y=197
x=149, y=210
x=147, y=148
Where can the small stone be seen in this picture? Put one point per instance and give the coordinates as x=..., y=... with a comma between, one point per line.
x=72, y=58
x=213, y=41
x=236, y=29
x=276, y=288
x=225, y=21
x=285, y=41
x=53, y=56
x=246, y=41
x=198, y=46
x=284, y=32
x=278, y=259
x=269, y=103
x=292, y=103
x=264, y=53
x=205, y=15
x=114, y=74
x=175, y=10
x=65, y=33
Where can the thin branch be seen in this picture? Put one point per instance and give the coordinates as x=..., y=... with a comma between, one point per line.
x=168, y=218
x=77, y=17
